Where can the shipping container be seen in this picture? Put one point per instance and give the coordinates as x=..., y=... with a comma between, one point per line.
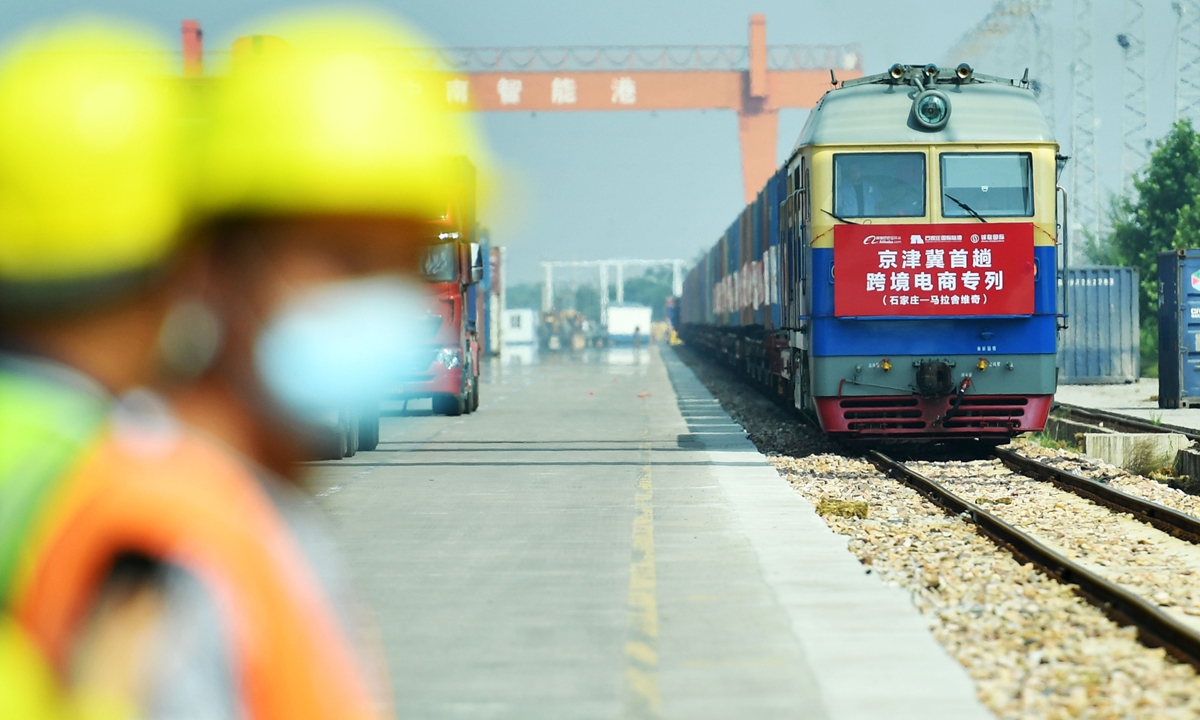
x=1100, y=344
x=1179, y=329
x=493, y=300
x=776, y=191
x=520, y=327
x=628, y=323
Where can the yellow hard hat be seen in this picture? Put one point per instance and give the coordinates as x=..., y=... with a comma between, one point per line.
x=27, y=685
x=332, y=116
x=30, y=690
x=92, y=180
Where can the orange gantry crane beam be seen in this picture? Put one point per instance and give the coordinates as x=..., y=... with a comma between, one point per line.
x=755, y=81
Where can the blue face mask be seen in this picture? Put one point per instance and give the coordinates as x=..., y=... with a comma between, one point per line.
x=342, y=345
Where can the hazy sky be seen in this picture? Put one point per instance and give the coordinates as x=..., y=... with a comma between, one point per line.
x=640, y=184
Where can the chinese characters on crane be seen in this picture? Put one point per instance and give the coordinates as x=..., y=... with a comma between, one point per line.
x=457, y=92
x=509, y=90
x=463, y=91
x=624, y=91
x=562, y=91
x=889, y=270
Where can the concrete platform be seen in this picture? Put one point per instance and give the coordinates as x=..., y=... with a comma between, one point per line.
x=600, y=540
x=1138, y=399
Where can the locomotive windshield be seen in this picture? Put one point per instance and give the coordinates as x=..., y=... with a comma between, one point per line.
x=879, y=185
x=991, y=184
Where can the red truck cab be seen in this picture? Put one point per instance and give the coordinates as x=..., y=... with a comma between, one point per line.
x=447, y=368
x=449, y=365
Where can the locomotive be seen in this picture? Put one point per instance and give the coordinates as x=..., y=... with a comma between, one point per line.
x=899, y=277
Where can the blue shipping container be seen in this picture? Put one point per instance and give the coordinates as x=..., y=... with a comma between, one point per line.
x=1100, y=344
x=1179, y=329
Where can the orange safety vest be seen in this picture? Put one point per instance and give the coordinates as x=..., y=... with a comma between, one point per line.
x=190, y=503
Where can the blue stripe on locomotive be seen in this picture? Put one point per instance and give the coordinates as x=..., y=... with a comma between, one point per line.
x=832, y=336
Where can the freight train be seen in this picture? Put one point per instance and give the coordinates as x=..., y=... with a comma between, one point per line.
x=899, y=276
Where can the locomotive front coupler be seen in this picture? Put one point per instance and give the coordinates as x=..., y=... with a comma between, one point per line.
x=934, y=378
x=958, y=396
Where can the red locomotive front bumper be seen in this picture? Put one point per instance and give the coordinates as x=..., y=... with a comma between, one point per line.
x=915, y=416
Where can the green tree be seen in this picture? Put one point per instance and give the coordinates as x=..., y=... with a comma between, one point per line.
x=587, y=302
x=524, y=295
x=651, y=289
x=1162, y=214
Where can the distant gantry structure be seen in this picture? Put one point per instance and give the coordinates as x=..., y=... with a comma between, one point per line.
x=603, y=266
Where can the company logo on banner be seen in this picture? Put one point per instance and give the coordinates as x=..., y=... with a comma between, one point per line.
x=1196, y=280
x=924, y=270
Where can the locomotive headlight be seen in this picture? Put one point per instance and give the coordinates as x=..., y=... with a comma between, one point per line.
x=931, y=109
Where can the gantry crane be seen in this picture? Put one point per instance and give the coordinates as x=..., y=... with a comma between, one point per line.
x=755, y=81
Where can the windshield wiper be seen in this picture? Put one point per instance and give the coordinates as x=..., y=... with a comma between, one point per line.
x=839, y=217
x=966, y=207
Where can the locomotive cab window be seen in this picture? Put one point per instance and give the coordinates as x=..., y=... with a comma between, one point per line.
x=873, y=185
x=989, y=184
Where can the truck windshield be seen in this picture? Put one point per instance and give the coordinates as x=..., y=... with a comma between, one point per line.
x=440, y=263
x=879, y=185
x=991, y=184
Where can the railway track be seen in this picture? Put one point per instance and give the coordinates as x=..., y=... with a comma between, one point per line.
x=1156, y=627
x=1120, y=423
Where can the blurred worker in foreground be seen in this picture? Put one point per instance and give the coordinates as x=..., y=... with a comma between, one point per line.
x=92, y=206
x=323, y=170
x=158, y=566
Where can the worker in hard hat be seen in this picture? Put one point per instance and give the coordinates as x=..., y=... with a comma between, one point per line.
x=147, y=561
x=93, y=204
x=325, y=164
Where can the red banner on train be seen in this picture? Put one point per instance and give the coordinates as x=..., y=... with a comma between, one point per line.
x=924, y=270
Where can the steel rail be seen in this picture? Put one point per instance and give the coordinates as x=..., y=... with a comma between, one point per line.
x=1117, y=420
x=1155, y=627
x=1169, y=520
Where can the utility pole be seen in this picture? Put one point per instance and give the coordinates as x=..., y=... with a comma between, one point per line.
x=1133, y=117
x=1085, y=190
x=1187, y=59
x=1041, y=20
x=1010, y=34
